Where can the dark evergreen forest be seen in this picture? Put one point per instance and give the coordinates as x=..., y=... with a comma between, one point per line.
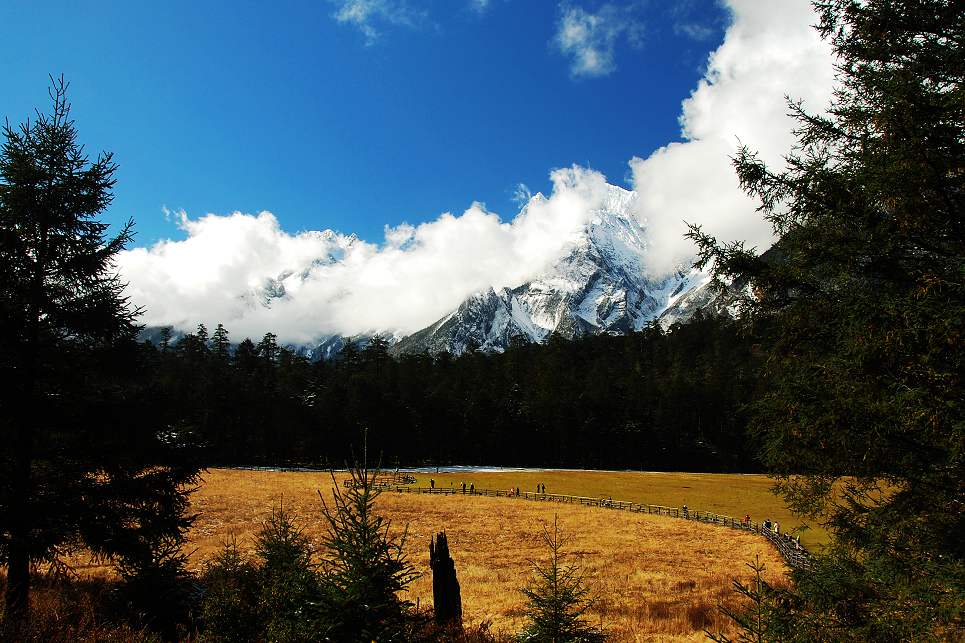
x=653, y=400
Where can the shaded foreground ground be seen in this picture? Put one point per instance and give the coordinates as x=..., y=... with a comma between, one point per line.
x=657, y=578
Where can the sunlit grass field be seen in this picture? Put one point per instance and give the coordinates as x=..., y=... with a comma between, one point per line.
x=722, y=493
x=656, y=578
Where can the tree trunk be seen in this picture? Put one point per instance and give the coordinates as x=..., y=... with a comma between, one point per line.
x=446, y=597
x=18, y=582
x=17, y=596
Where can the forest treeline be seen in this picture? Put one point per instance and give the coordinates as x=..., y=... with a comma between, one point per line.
x=654, y=400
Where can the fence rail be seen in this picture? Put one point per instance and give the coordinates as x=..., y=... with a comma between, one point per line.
x=791, y=550
x=385, y=480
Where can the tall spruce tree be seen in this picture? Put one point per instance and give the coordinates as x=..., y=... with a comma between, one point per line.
x=220, y=345
x=366, y=569
x=77, y=464
x=558, y=598
x=860, y=308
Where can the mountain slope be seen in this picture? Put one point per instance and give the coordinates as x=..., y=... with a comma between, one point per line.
x=599, y=285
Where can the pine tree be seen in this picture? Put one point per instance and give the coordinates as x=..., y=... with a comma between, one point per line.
x=77, y=465
x=366, y=569
x=246, y=356
x=558, y=599
x=220, y=345
x=289, y=580
x=376, y=354
x=860, y=310
x=268, y=349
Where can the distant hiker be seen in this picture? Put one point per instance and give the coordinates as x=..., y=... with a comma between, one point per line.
x=472, y=487
x=464, y=487
x=777, y=527
x=747, y=519
x=432, y=483
x=517, y=492
x=686, y=513
x=766, y=524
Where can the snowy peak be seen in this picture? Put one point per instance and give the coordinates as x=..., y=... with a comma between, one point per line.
x=598, y=285
x=485, y=321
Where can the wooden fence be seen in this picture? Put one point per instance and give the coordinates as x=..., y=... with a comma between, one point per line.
x=387, y=480
x=795, y=554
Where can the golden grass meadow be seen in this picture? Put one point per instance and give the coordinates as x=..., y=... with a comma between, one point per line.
x=655, y=578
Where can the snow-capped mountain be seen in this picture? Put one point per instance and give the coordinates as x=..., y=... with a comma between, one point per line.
x=599, y=285
x=288, y=282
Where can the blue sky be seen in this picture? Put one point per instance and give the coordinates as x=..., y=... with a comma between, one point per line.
x=255, y=126
x=356, y=114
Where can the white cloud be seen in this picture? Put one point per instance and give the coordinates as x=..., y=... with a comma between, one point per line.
x=769, y=51
x=339, y=284
x=368, y=15
x=480, y=6
x=590, y=39
x=694, y=30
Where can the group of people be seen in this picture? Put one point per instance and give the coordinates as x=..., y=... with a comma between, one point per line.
x=462, y=486
x=775, y=528
x=471, y=488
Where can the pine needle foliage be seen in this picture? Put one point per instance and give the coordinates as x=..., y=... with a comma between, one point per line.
x=82, y=463
x=758, y=621
x=290, y=584
x=365, y=569
x=558, y=598
x=860, y=312
x=229, y=611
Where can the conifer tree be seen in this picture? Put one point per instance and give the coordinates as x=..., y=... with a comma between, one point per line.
x=289, y=583
x=366, y=569
x=220, y=345
x=860, y=311
x=79, y=462
x=246, y=356
x=558, y=598
x=268, y=349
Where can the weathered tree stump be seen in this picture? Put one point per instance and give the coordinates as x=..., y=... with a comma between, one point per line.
x=446, y=598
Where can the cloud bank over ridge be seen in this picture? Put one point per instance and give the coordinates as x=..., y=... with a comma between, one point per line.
x=332, y=283
x=325, y=282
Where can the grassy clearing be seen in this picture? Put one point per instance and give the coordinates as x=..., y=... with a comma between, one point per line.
x=656, y=578
x=726, y=494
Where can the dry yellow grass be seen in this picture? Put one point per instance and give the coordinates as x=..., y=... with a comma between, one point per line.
x=656, y=578
x=722, y=493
